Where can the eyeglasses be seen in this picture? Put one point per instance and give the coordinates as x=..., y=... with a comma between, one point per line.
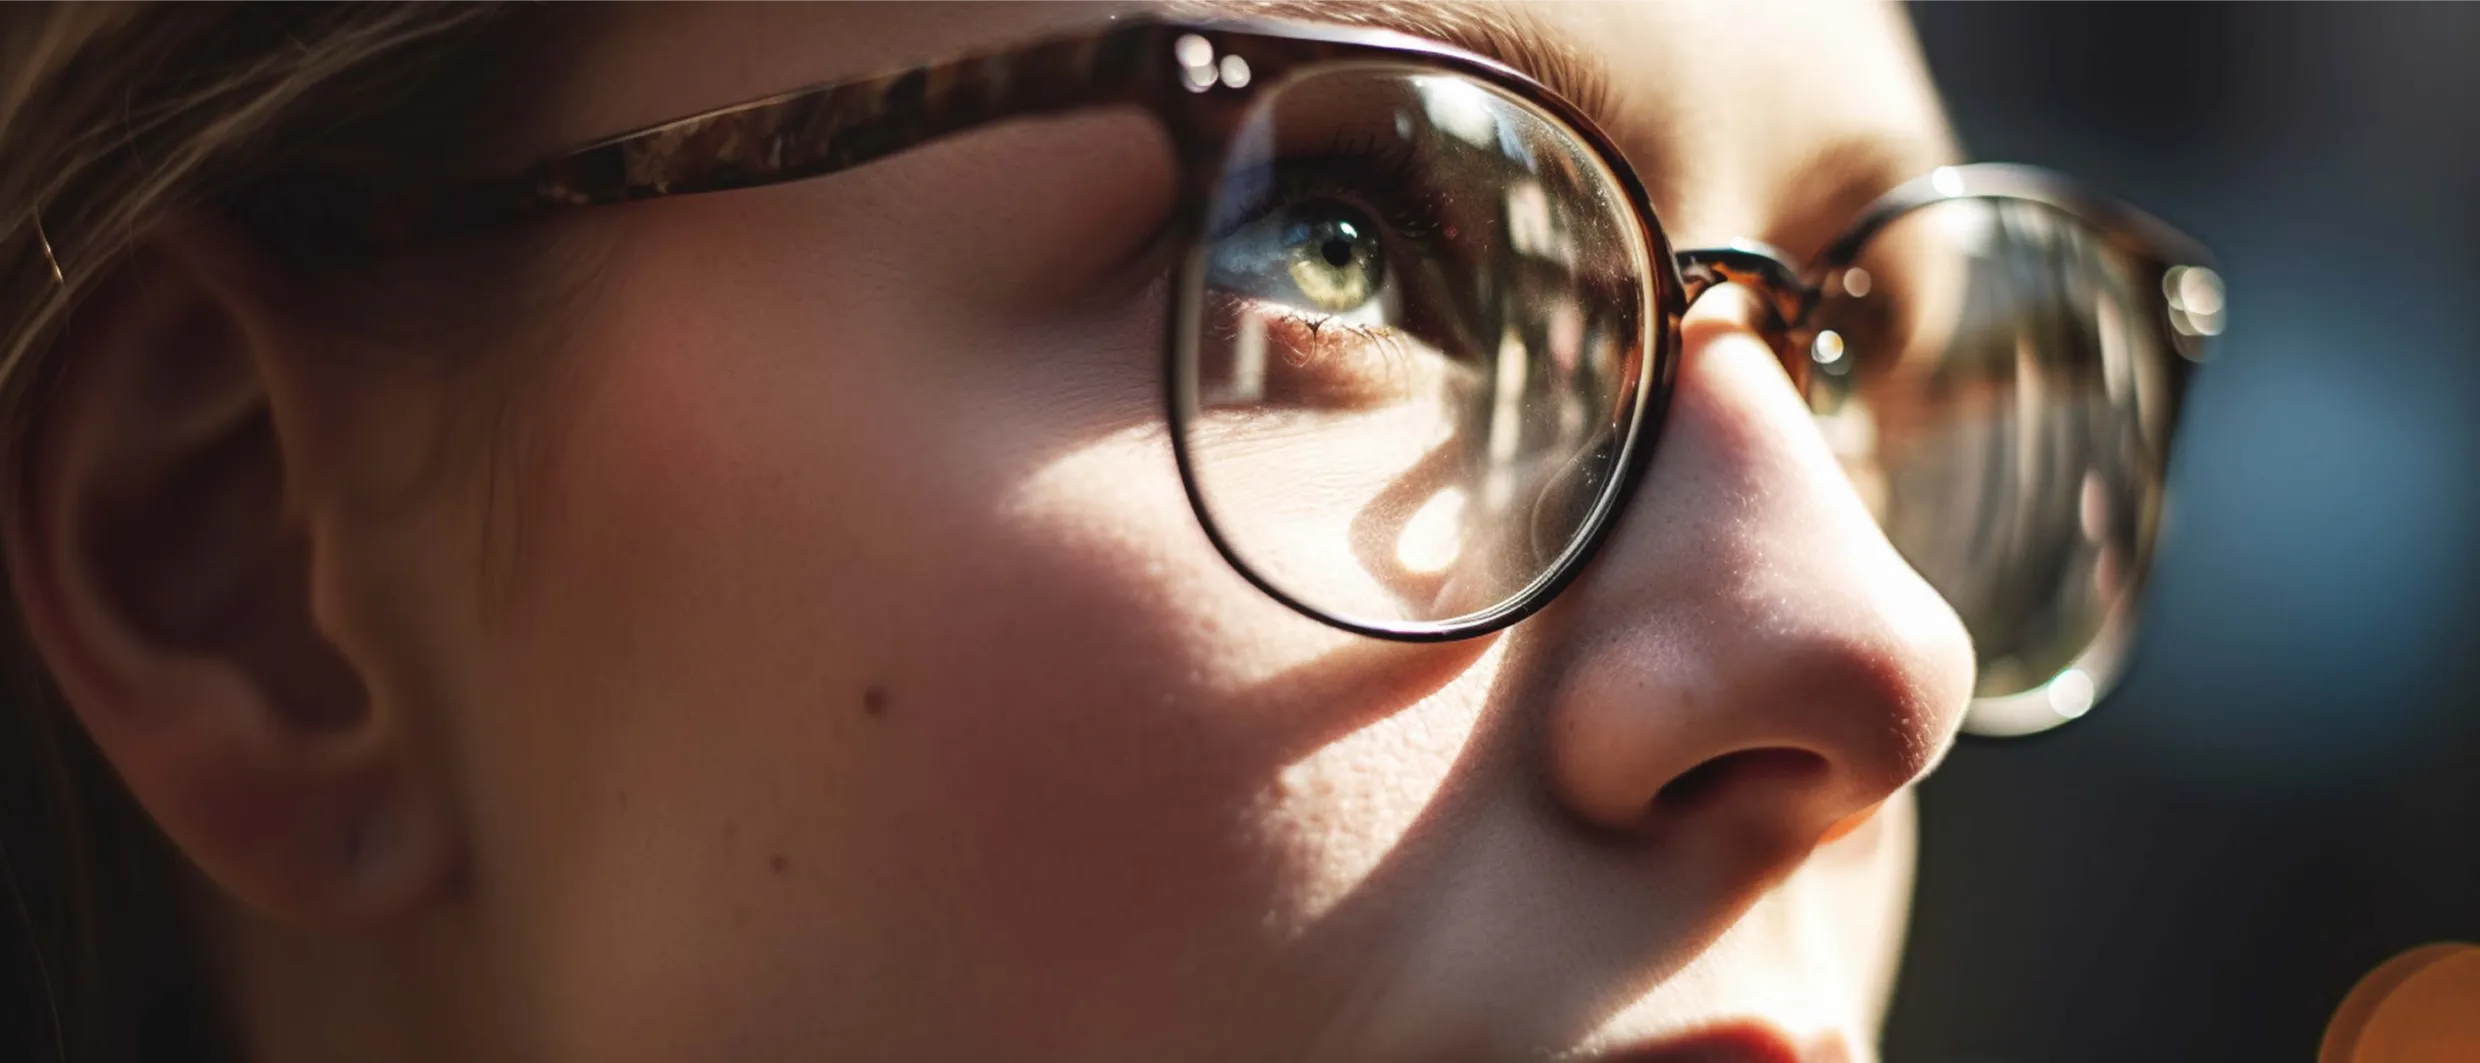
x=1424, y=324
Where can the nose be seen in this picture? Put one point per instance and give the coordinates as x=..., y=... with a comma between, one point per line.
x=1747, y=658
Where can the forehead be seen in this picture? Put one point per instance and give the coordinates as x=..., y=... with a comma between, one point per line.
x=1775, y=122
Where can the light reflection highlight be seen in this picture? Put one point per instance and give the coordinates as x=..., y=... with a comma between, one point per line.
x=1434, y=538
x=2071, y=694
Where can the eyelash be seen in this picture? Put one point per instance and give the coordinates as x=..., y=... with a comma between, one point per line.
x=1349, y=169
x=1391, y=181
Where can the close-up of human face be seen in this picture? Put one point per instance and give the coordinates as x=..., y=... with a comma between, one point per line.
x=832, y=628
x=863, y=686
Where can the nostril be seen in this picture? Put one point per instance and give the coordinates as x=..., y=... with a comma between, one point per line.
x=1748, y=769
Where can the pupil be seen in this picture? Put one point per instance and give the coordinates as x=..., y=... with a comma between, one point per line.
x=1338, y=251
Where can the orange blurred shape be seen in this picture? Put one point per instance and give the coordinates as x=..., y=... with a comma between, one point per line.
x=1843, y=827
x=2420, y=1007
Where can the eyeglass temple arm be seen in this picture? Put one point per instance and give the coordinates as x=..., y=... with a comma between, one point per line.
x=807, y=132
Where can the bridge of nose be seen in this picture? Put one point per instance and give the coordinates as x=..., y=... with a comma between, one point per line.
x=1772, y=282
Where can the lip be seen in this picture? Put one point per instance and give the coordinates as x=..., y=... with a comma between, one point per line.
x=1734, y=1043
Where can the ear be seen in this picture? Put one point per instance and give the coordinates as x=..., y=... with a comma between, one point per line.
x=164, y=557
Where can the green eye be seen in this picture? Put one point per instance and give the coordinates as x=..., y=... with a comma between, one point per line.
x=1321, y=256
x=1334, y=262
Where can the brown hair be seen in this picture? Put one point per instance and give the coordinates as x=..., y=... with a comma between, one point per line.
x=113, y=117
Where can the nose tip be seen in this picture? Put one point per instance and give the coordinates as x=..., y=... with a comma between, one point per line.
x=1757, y=656
x=1791, y=728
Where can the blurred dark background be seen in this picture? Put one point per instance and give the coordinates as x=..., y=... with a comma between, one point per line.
x=2286, y=790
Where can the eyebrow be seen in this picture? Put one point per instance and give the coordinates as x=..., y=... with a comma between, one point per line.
x=1831, y=185
x=1503, y=34
x=826, y=127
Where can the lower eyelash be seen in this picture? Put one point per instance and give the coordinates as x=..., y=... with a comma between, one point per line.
x=1330, y=339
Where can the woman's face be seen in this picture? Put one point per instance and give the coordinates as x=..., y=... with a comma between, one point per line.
x=847, y=676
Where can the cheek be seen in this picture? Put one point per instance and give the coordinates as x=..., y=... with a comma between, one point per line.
x=781, y=464
x=895, y=669
x=1861, y=885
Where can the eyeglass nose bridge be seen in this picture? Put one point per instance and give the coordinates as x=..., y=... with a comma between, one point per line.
x=1764, y=273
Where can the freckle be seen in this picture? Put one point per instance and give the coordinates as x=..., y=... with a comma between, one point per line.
x=778, y=864
x=874, y=701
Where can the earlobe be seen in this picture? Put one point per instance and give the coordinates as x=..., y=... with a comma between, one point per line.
x=163, y=563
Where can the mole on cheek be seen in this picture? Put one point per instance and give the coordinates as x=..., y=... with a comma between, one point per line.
x=874, y=701
x=779, y=864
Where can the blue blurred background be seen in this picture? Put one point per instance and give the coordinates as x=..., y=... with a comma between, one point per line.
x=2286, y=790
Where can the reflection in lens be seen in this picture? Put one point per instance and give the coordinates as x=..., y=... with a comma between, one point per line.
x=2000, y=397
x=1417, y=340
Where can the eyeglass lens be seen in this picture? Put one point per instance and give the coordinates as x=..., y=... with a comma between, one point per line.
x=1998, y=386
x=1417, y=342
x=1415, y=347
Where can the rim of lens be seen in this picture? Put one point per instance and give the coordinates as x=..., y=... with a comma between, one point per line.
x=2095, y=670
x=2065, y=697
x=1659, y=291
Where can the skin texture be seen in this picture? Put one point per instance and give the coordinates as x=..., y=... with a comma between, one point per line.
x=824, y=662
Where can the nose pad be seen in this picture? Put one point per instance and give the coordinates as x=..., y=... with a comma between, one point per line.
x=1760, y=311
x=1753, y=662
x=1766, y=292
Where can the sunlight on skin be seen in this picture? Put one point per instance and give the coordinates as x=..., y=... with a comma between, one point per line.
x=1136, y=460
x=865, y=685
x=1288, y=487
x=1815, y=907
x=1434, y=537
x=1349, y=804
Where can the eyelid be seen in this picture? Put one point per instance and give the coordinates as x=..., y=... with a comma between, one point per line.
x=1341, y=173
x=1516, y=41
x=1508, y=36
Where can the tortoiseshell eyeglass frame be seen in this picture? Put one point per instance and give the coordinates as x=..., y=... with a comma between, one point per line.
x=1198, y=79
